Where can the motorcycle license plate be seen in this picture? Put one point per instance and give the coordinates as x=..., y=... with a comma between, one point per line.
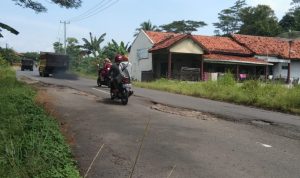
x=127, y=85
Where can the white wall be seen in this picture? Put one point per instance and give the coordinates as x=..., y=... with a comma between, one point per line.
x=278, y=72
x=295, y=69
x=138, y=65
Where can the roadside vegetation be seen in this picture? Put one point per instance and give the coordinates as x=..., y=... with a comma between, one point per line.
x=31, y=144
x=265, y=95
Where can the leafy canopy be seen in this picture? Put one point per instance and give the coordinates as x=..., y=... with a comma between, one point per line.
x=259, y=20
x=183, y=26
x=39, y=7
x=229, y=19
x=8, y=28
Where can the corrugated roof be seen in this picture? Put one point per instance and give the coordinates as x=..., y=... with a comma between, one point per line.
x=234, y=59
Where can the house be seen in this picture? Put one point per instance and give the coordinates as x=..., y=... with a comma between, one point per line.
x=160, y=54
x=282, y=53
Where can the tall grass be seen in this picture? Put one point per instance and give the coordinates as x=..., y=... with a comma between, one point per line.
x=255, y=93
x=31, y=144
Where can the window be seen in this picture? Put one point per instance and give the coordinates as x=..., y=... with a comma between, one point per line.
x=284, y=67
x=143, y=53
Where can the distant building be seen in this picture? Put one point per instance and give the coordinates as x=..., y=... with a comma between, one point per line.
x=284, y=54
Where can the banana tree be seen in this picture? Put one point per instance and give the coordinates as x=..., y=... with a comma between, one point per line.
x=113, y=48
x=94, y=44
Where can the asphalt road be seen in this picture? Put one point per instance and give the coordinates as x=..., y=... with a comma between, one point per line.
x=236, y=143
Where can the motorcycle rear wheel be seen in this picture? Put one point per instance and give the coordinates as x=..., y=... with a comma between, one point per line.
x=124, y=98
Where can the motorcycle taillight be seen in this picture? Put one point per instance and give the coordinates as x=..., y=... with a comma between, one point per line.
x=125, y=80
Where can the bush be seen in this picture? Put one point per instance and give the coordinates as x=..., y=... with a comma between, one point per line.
x=31, y=144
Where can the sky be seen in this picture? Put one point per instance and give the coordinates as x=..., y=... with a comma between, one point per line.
x=38, y=32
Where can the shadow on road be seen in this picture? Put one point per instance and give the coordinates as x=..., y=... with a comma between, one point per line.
x=110, y=102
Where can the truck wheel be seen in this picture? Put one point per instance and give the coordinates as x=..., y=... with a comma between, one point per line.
x=41, y=74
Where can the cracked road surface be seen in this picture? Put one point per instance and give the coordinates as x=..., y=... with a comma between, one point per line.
x=179, y=142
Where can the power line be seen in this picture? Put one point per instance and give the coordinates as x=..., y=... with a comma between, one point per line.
x=104, y=7
x=88, y=11
x=101, y=9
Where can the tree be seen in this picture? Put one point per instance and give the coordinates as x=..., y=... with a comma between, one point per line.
x=32, y=55
x=146, y=26
x=8, y=28
x=259, y=20
x=10, y=55
x=58, y=47
x=288, y=22
x=112, y=48
x=73, y=50
x=296, y=4
x=229, y=19
x=183, y=26
x=94, y=44
x=39, y=7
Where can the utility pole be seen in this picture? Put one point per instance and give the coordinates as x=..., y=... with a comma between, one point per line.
x=65, y=34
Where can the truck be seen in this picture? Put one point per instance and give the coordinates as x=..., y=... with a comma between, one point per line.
x=26, y=64
x=51, y=63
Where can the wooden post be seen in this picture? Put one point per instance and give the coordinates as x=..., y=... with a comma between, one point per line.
x=170, y=66
x=202, y=69
x=237, y=72
x=289, y=73
x=266, y=72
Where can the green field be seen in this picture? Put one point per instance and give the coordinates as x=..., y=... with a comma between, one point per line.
x=31, y=144
x=254, y=93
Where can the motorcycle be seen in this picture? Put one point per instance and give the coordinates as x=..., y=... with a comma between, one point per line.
x=123, y=91
x=103, y=78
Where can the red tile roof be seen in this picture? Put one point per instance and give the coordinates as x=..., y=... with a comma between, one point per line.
x=210, y=43
x=295, y=49
x=168, y=42
x=157, y=37
x=234, y=59
x=266, y=46
x=221, y=44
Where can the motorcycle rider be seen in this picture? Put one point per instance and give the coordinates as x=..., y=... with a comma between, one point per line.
x=125, y=67
x=120, y=69
x=106, y=67
x=115, y=73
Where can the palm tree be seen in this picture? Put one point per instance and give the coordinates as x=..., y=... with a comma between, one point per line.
x=146, y=26
x=94, y=44
x=8, y=28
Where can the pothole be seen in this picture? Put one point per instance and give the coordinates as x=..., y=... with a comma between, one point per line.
x=261, y=122
x=182, y=112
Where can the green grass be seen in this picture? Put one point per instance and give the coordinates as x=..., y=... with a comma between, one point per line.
x=31, y=144
x=254, y=93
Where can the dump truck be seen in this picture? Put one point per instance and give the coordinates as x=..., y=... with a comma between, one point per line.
x=26, y=64
x=51, y=63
